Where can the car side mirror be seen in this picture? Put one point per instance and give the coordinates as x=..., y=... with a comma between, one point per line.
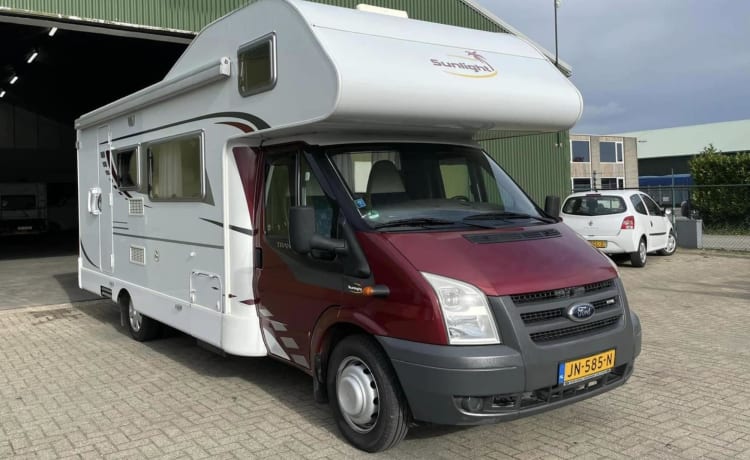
x=552, y=206
x=302, y=236
x=667, y=212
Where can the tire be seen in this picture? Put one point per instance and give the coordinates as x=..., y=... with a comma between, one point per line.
x=141, y=327
x=368, y=404
x=671, y=245
x=638, y=258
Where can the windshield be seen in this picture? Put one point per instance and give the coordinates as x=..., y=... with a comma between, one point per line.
x=594, y=205
x=431, y=185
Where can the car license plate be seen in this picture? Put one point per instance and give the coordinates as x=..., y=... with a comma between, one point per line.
x=574, y=371
x=598, y=244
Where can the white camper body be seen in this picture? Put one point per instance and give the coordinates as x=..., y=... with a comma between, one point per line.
x=163, y=173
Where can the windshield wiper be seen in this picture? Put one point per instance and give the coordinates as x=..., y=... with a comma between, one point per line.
x=415, y=221
x=426, y=221
x=506, y=215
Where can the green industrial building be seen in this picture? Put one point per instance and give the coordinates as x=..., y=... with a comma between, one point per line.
x=87, y=53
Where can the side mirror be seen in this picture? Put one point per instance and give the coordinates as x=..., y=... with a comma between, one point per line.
x=552, y=206
x=302, y=236
x=667, y=212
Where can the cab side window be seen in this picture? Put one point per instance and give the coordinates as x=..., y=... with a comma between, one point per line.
x=638, y=205
x=279, y=195
x=311, y=194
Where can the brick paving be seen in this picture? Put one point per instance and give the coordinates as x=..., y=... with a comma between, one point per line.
x=74, y=385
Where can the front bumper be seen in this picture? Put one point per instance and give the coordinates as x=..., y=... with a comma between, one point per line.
x=470, y=385
x=485, y=385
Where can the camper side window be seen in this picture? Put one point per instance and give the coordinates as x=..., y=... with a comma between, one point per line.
x=257, y=62
x=176, y=169
x=126, y=163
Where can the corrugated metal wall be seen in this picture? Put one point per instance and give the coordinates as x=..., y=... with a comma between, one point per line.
x=534, y=161
x=193, y=15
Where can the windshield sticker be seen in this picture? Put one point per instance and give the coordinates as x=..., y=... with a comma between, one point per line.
x=360, y=203
x=473, y=65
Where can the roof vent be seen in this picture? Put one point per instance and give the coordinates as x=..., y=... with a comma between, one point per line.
x=381, y=10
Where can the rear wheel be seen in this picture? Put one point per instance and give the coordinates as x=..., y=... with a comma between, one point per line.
x=141, y=327
x=671, y=245
x=367, y=401
x=638, y=258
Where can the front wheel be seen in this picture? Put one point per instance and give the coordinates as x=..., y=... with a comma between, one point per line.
x=671, y=245
x=638, y=258
x=368, y=404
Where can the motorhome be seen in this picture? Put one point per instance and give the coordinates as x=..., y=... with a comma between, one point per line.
x=23, y=208
x=305, y=184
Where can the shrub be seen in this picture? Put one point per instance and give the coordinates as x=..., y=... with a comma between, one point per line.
x=723, y=192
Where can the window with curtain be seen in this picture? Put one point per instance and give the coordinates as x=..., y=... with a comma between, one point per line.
x=176, y=172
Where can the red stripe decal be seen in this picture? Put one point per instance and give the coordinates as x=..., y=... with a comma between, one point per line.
x=241, y=126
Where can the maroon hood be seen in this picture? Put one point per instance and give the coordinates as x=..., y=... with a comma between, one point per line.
x=510, y=267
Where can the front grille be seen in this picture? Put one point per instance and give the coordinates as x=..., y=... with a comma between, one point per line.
x=567, y=332
x=563, y=293
x=545, y=315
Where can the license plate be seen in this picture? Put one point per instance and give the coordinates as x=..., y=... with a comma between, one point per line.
x=598, y=244
x=571, y=372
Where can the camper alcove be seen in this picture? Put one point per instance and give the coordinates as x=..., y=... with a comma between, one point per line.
x=303, y=184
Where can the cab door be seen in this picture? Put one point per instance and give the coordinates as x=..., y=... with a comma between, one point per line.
x=293, y=289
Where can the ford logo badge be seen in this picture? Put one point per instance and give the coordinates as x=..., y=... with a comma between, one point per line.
x=581, y=312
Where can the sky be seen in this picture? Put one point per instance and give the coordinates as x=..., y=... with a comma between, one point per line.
x=645, y=64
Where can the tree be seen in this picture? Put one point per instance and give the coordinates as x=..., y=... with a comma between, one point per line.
x=723, y=192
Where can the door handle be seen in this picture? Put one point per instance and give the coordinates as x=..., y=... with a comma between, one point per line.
x=95, y=201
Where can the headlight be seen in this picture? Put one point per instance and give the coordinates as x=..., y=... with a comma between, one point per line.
x=466, y=313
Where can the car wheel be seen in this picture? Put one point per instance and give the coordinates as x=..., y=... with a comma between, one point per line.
x=671, y=245
x=141, y=327
x=638, y=258
x=368, y=404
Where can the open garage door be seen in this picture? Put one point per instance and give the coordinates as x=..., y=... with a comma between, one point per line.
x=50, y=74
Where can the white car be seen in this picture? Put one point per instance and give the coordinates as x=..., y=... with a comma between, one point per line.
x=621, y=222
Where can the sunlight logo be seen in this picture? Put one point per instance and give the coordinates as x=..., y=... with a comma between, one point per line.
x=473, y=65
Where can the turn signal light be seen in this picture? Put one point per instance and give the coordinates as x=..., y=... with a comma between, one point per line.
x=628, y=223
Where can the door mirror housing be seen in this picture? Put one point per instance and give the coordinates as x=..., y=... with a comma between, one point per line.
x=552, y=206
x=302, y=236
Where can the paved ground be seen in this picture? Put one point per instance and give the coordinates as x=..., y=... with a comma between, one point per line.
x=73, y=384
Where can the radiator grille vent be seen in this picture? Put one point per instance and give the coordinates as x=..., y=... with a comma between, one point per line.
x=138, y=255
x=135, y=206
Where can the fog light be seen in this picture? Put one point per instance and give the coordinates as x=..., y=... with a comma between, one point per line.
x=471, y=404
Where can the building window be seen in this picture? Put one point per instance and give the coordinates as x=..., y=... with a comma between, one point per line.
x=580, y=152
x=610, y=152
x=612, y=183
x=581, y=184
x=126, y=169
x=257, y=63
x=176, y=169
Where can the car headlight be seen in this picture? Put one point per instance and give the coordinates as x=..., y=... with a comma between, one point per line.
x=467, y=315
